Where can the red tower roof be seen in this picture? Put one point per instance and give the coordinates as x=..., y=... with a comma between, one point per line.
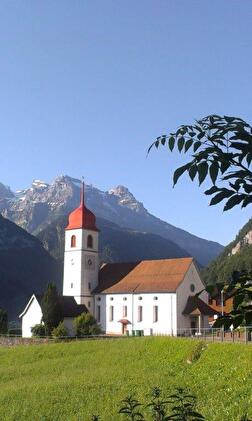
x=82, y=217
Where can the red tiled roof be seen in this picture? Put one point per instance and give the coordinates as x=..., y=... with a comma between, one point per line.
x=163, y=275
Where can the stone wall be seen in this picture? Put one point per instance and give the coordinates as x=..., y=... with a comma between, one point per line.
x=12, y=341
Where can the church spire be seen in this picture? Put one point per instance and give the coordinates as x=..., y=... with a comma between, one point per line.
x=82, y=201
x=82, y=217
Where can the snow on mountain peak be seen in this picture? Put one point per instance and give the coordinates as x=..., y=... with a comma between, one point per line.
x=120, y=191
x=126, y=198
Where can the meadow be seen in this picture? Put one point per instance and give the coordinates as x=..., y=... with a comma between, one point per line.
x=72, y=381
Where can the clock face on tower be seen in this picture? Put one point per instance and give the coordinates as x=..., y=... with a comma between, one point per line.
x=90, y=262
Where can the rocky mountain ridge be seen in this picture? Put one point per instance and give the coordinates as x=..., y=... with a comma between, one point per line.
x=246, y=240
x=34, y=208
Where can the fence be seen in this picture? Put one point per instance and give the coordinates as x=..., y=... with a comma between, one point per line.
x=243, y=334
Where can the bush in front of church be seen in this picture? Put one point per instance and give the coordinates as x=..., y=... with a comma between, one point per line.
x=86, y=325
x=60, y=331
x=38, y=330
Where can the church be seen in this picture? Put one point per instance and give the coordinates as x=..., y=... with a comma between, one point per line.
x=149, y=296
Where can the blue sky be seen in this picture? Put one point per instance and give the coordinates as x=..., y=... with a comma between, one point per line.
x=86, y=86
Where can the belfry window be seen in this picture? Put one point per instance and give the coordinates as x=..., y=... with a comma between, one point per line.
x=73, y=241
x=90, y=241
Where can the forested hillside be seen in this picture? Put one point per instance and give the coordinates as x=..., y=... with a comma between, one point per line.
x=116, y=244
x=220, y=269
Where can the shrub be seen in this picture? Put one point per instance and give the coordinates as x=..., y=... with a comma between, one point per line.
x=195, y=354
x=60, y=331
x=38, y=330
x=85, y=324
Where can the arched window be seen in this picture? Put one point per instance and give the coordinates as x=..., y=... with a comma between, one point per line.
x=90, y=241
x=73, y=241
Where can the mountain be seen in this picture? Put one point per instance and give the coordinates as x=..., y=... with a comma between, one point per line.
x=35, y=207
x=25, y=267
x=116, y=244
x=235, y=257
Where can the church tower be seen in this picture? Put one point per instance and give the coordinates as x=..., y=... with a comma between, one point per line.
x=81, y=258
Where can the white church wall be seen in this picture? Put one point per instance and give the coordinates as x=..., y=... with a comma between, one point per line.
x=81, y=266
x=32, y=316
x=184, y=290
x=165, y=302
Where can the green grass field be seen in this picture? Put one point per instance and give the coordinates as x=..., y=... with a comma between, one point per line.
x=72, y=381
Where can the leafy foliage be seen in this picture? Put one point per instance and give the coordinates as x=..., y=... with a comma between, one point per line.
x=85, y=325
x=60, y=331
x=130, y=409
x=3, y=321
x=51, y=308
x=38, y=330
x=182, y=404
x=158, y=405
x=240, y=289
x=221, y=149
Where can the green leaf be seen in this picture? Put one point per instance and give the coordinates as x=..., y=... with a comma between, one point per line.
x=249, y=158
x=238, y=321
x=181, y=143
x=171, y=143
x=179, y=172
x=202, y=171
x=196, y=146
x=163, y=140
x=224, y=166
x=213, y=170
x=246, y=201
x=201, y=135
x=188, y=144
x=233, y=201
x=193, y=171
x=212, y=190
x=218, y=198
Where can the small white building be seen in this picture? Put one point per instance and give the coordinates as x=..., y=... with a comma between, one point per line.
x=32, y=314
x=153, y=296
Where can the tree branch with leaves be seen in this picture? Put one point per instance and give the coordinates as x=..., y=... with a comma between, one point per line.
x=221, y=148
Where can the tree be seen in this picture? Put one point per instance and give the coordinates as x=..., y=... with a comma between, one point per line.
x=222, y=152
x=222, y=147
x=85, y=324
x=3, y=321
x=51, y=308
